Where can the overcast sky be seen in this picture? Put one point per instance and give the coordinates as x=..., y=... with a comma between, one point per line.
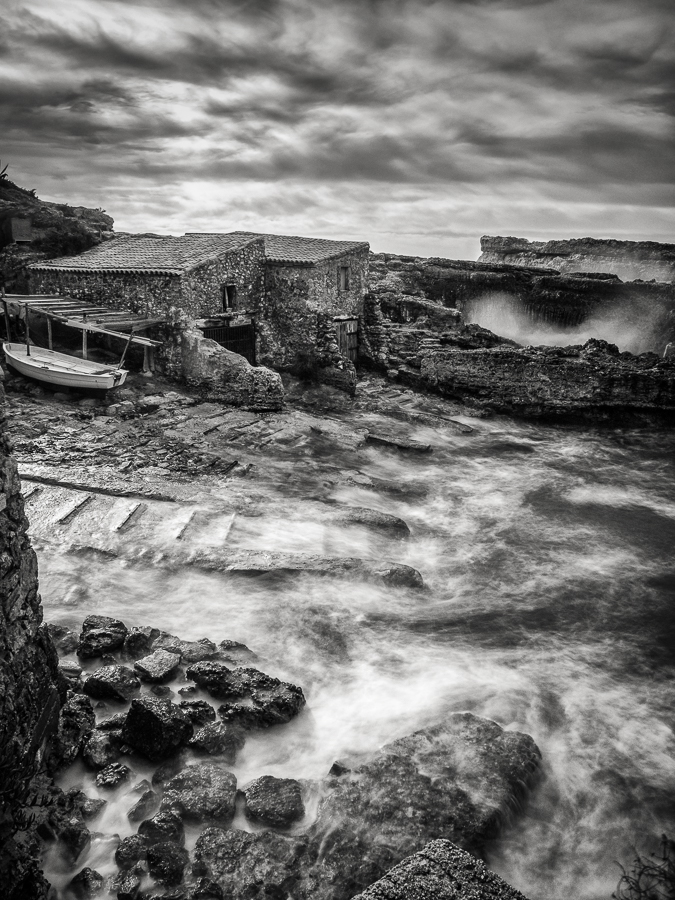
x=415, y=125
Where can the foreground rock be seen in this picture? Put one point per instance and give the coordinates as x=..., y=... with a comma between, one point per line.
x=202, y=793
x=156, y=728
x=112, y=683
x=461, y=780
x=100, y=634
x=443, y=872
x=158, y=667
x=274, y=801
x=594, y=381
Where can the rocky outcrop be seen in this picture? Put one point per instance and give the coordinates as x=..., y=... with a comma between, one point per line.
x=218, y=374
x=441, y=871
x=593, y=382
x=629, y=260
x=31, y=691
x=399, y=317
x=46, y=230
x=461, y=780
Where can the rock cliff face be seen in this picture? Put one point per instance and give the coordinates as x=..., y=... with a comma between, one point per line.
x=29, y=697
x=594, y=382
x=629, y=260
x=52, y=229
x=484, y=292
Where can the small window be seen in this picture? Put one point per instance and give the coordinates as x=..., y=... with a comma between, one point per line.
x=229, y=296
x=344, y=278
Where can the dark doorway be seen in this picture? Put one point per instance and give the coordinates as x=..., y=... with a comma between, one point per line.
x=347, y=331
x=237, y=338
x=229, y=296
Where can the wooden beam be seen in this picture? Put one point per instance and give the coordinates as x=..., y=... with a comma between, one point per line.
x=143, y=341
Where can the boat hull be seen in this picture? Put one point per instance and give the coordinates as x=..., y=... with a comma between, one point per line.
x=62, y=370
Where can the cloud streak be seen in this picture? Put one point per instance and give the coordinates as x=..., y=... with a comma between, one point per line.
x=502, y=107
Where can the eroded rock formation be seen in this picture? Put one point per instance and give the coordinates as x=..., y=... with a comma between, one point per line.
x=30, y=690
x=629, y=260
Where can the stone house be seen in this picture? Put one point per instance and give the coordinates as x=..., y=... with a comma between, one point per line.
x=281, y=294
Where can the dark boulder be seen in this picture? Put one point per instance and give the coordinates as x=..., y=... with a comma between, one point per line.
x=252, y=866
x=76, y=720
x=147, y=803
x=113, y=775
x=205, y=889
x=273, y=702
x=241, y=714
x=202, y=793
x=130, y=850
x=199, y=711
x=125, y=885
x=100, y=634
x=102, y=748
x=158, y=667
x=167, y=861
x=86, y=885
x=112, y=683
x=217, y=739
x=156, y=728
x=169, y=769
x=88, y=806
x=63, y=638
x=274, y=801
x=165, y=826
x=138, y=642
x=112, y=723
x=189, y=651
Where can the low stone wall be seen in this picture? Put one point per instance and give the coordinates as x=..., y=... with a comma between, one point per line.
x=29, y=696
x=218, y=374
x=441, y=871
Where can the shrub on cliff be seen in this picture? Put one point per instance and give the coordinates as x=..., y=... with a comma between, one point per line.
x=68, y=238
x=650, y=878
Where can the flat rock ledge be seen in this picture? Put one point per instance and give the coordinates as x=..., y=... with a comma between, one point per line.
x=441, y=871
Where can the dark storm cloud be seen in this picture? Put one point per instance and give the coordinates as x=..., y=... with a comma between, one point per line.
x=454, y=93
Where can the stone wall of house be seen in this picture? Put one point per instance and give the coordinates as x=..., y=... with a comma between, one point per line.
x=287, y=316
x=157, y=296
x=29, y=696
x=203, y=286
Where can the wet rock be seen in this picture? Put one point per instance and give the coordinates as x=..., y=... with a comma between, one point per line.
x=202, y=793
x=71, y=672
x=273, y=701
x=72, y=834
x=76, y=720
x=138, y=642
x=218, y=739
x=63, y=638
x=112, y=723
x=240, y=714
x=100, y=634
x=169, y=769
x=199, y=711
x=156, y=728
x=125, y=885
x=252, y=866
x=88, y=806
x=442, y=871
x=113, y=775
x=167, y=861
x=461, y=780
x=165, y=826
x=159, y=667
x=112, y=683
x=146, y=804
x=88, y=883
x=101, y=749
x=398, y=443
x=205, y=889
x=130, y=850
x=371, y=518
x=274, y=801
x=161, y=690
x=189, y=651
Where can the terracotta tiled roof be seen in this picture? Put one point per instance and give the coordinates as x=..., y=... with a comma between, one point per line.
x=175, y=255
x=151, y=253
x=287, y=249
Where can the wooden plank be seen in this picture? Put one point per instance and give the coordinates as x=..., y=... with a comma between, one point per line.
x=134, y=512
x=73, y=509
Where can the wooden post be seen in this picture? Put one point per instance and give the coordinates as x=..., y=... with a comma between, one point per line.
x=27, y=330
x=126, y=347
x=49, y=333
x=7, y=325
x=84, y=343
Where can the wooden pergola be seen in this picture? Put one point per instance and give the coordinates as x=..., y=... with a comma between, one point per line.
x=85, y=317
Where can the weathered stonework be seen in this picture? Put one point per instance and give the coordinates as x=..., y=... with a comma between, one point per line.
x=177, y=298
x=287, y=317
x=29, y=695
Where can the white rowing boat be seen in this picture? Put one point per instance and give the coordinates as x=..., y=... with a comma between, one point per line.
x=61, y=369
